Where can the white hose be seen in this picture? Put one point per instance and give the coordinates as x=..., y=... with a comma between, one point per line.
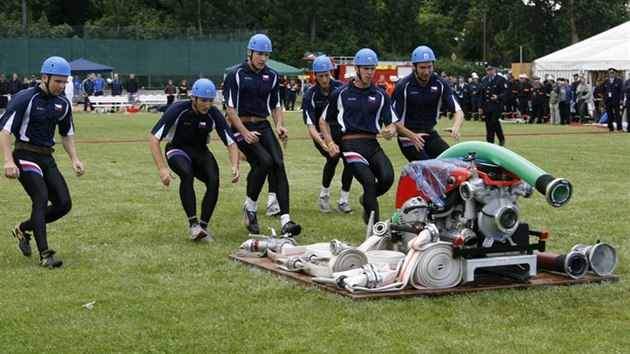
x=349, y=258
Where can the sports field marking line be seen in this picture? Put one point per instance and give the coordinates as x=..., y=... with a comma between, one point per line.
x=97, y=141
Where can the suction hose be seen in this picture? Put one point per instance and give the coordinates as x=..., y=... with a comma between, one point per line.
x=557, y=191
x=574, y=264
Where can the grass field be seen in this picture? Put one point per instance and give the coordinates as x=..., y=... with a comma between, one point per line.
x=125, y=247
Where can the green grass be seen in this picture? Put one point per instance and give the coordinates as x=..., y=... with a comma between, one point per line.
x=124, y=246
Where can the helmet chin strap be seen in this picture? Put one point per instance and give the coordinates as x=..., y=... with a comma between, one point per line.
x=47, y=84
x=194, y=104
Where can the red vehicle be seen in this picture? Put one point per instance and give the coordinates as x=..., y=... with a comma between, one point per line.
x=344, y=69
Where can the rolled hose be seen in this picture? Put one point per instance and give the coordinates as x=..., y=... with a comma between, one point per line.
x=557, y=191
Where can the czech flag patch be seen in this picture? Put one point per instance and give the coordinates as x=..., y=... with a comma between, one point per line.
x=265, y=77
x=434, y=89
x=58, y=107
x=371, y=99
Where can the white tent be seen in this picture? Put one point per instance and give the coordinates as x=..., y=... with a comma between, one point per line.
x=609, y=49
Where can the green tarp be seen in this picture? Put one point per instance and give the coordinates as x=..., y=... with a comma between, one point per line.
x=280, y=68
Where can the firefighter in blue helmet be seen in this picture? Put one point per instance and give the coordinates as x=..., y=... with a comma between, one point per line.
x=313, y=103
x=186, y=125
x=252, y=93
x=32, y=117
x=418, y=99
x=361, y=109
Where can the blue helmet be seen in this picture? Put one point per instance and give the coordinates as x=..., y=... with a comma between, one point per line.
x=422, y=54
x=322, y=64
x=56, y=66
x=260, y=43
x=204, y=88
x=366, y=56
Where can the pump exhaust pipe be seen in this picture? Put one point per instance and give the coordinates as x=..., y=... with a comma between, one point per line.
x=573, y=264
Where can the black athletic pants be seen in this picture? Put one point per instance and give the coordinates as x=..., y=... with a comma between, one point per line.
x=371, y=167
x=43, y=182
x=189, y=163
x=331, y=163
x=265, y=157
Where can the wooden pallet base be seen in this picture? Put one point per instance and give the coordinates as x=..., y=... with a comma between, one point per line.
x=483, y=281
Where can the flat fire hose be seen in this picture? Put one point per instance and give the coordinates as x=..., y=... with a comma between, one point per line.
x=431, y=266
x=428, y=265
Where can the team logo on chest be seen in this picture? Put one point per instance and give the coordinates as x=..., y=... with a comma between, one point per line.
x=202, y=125
x=434, y=89
x=265, y=77
x=58, y=107
x=371, y=99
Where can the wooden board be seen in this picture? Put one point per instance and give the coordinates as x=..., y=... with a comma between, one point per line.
x=483, y=282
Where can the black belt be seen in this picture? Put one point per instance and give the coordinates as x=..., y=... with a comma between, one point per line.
x=21, y=145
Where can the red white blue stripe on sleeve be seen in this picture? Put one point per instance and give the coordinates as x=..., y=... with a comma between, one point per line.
x=28, y=166
x=355, y=157
x=176, y=152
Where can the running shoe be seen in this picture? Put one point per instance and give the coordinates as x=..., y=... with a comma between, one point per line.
x=344, y=208
x=250, y=220
x=291, y=228
x=324, y=204
x=47, y=260
x=273, y=209
x=23, y=239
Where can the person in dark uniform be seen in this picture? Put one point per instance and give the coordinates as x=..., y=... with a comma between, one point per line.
x=524, y=96
x=182, y=90
x=170, y=91
x=510, y=101
x=462, y=92
x=417, y=100
x=613, y=99
x=131, y=86
x=16, y=84
x=493, y=89
x=538, y=102
x=626, y=94
x=5, y=90
x=475, y=96
x=292, y=91
x=252, y=94
x=88, y=91
x=361, y=108
x=116, y=86
x=187, y=124
x=32, y=116
x=313, y=103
